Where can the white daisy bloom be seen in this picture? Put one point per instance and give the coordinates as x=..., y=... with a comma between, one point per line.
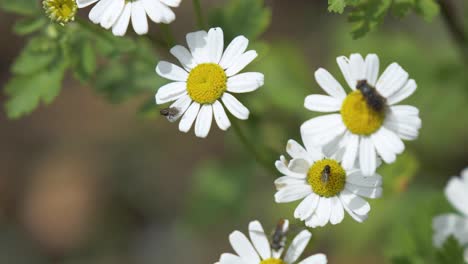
x=325, y=187
x=455, y=225
x=117, y=13
x=259, y=251
x=208, y=77
x=368, y=124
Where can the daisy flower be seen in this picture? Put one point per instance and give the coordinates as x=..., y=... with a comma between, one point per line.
x=117, y=13
x=259, y=250
x=326, y=188
x=208, y=76
x=455, y=225
x=60, y=11
x=368, y=123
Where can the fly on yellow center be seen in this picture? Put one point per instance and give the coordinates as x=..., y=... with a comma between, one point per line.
x=326, y=177
x=206, y=83
x=358, y=116
x=60, y=11
x=272, y=261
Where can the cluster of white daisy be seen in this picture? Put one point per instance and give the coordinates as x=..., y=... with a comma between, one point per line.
x=117, y=14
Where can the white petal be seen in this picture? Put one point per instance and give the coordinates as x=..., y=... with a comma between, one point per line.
x=243, y=248
x=167, y=14
x=204, y=119
x=299, y=165
x=393, y=78
x=98, y=10
x=85, y=3
x=182, y=104
x=322, y=103
x=292, y=193
x=389, y=141
x=236, y=108
x=198, y=44
x=184, y=56
x=259, y=239
x=221, y=118
x=372, y=68
x=329, y=84
x=351, y=150
x=357, y=67
x=237, y=47
x=315, y=259
x=171, y=3
x=228, y=258
x=285, y=170
x=171, y=92
x=295, y=150
x=465, y=255
x=457, y=194
x=403, y=93
x=444, y=226
x=313, y=220
x=284, y=181
x=120, y=27
x=323, y=211
x=170, y=71
x=297, y=246
x=139, y=21
x=321, y=130
x=245, y=82
x=355, y=203
x=358, y=179
x=307, y=207
x=364, y=191
x=241, y=62
x=110, y=16
x=404, y=121
x=464, y=175
x=337, y=213
x=343, y=63
x=189, y=117
x=367, y=156
x=215, y=44
x=153, y=9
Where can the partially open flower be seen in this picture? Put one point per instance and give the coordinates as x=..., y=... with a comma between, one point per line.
x=60, y=11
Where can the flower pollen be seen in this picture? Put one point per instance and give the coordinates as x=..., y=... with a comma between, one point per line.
x=60, y=11
x=326, y=177
x=272, y=261
x=358, y=116
x=206, y=83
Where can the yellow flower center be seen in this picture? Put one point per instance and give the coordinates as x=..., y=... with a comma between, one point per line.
x=272, y=261
x=358, y=116
x=61, y=11
x=206, y=83
x=326, y=177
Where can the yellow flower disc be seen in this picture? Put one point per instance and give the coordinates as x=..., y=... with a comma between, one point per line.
x=358, y=116
x=60, y=11
x=206, y=83
x=335, y=181
x=272, y=261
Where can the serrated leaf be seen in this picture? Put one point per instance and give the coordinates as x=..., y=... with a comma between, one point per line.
x=451, y=252
x=27, y=91
x=367, y=16
x=242, y=17
x=29, y=25
x=336, y=6
x=36, y=55
x=21, y=7
x=85, y=61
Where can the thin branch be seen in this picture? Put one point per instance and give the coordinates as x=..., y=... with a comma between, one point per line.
x=449, y=14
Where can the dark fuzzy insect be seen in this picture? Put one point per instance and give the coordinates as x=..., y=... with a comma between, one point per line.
x=279, y=236
x=326, y=174
x=170, y=113
x=373, y=98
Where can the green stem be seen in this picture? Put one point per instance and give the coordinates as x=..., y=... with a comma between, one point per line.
x=167, y=35
x=198, y=12
x=94, y=29
x=250, y=148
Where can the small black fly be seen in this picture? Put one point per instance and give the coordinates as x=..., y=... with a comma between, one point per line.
x=374, y=100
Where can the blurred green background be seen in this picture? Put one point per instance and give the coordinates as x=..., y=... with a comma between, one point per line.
x=94, y=178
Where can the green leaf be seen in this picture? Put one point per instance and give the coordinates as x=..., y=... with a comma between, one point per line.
x=242, y=17
x=36, y=55
x=451, y=252
x=84, y=64
x=29, y=25
x=336, y=6
x=367, y=16
x=428, y=9
x=26, y=91
x=21, y=7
